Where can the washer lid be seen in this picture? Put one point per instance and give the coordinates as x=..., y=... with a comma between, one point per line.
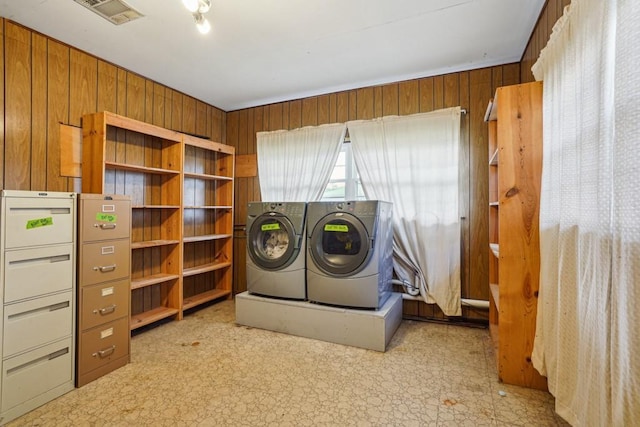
x=272, y=242
x=340, y=244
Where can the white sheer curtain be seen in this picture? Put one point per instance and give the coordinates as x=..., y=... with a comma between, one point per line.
x=625, y=286
x=296, y=165
x=412, y=161
x=589, y=228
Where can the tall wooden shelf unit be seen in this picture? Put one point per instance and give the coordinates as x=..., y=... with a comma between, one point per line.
x=147, y=162
x=515, y=148
x=208, y=221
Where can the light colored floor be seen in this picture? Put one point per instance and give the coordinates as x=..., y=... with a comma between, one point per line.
x=208, y=371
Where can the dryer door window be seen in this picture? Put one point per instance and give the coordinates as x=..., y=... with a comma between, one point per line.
x=271, y=242
x=340, y=244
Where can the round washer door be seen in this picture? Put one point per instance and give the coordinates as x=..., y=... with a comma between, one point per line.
x=271, y=242
x=339, y=244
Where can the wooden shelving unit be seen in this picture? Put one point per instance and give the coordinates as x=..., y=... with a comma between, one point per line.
x=208, y=221
x=514, y=118
x=181, y=190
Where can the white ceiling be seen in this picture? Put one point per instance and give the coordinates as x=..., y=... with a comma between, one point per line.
x=264, y=51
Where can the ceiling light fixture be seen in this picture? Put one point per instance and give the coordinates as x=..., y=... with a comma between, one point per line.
x=198, y=8
x=201, y=23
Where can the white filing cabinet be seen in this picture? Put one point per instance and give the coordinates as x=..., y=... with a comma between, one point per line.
x=38, y=259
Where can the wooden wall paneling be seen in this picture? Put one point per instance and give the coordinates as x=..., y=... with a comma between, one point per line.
x=295, y=114
x=377, y=101
x=353, y=105
x=409, y=97
x=202, y=121
x=149, y=98
x=323, y=110
x=2, y=101
x=38, y=163
x=18, y=108
x=275, y=117
x=258, y=126
x=188, y=115
x=135, y=97
x=159, y=105
x=83, y=83
x=451, y=95
x=365, y=103
x=251, y=150
x=233, y=119
x=496, y=79
x=242, y=144
x=479, y=93
x=57, y=110
x=333, y=108
x=425, y=87
x=411, y=308
x=83, y=94
x=467, y=289
x=438, y=92
x=168, y=108
x=390, y=100
x=176, y=111
x=107, y=87
x=510, y=74
x=218, y=125
x=309, y=112
x=121, y=90
x=342, y=107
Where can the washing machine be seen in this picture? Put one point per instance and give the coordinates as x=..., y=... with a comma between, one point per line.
x=349, y=253
x=276, y=245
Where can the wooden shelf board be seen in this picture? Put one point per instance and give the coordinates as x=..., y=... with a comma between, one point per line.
x=152, y=280
x=209, y=207
x=155, y=207
x=137, y=168
x=207, y=176
x=495, y=294
x=204, y=238
x=192, y=271
x=127, y=123
x=495, y=249
x=198, y=299
x=153, y=243
x=208, y=144
x=142, y=319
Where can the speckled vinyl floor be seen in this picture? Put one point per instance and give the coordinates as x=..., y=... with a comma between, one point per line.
x=208, y=371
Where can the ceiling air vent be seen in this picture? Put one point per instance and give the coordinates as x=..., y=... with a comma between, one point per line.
x=115, y=11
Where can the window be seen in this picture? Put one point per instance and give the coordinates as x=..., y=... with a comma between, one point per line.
x=344, y=183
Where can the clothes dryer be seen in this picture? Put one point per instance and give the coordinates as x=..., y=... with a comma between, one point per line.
x=276, y=245
x=349, y=253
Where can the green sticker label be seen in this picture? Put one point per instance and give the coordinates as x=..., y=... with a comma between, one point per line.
x=40, y=222
x=106, y=217
x=269, y=227
x=337, y=227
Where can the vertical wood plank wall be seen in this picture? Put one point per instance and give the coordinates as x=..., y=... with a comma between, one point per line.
x=47, y=83
x=470, y=89
x=550, y=14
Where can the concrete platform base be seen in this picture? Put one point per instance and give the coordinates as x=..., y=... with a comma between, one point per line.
x=358, y=328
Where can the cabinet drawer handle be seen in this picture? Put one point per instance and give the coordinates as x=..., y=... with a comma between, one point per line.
x=106, y=226
x=105, y=268
x=106, y=310
x=104, y=353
